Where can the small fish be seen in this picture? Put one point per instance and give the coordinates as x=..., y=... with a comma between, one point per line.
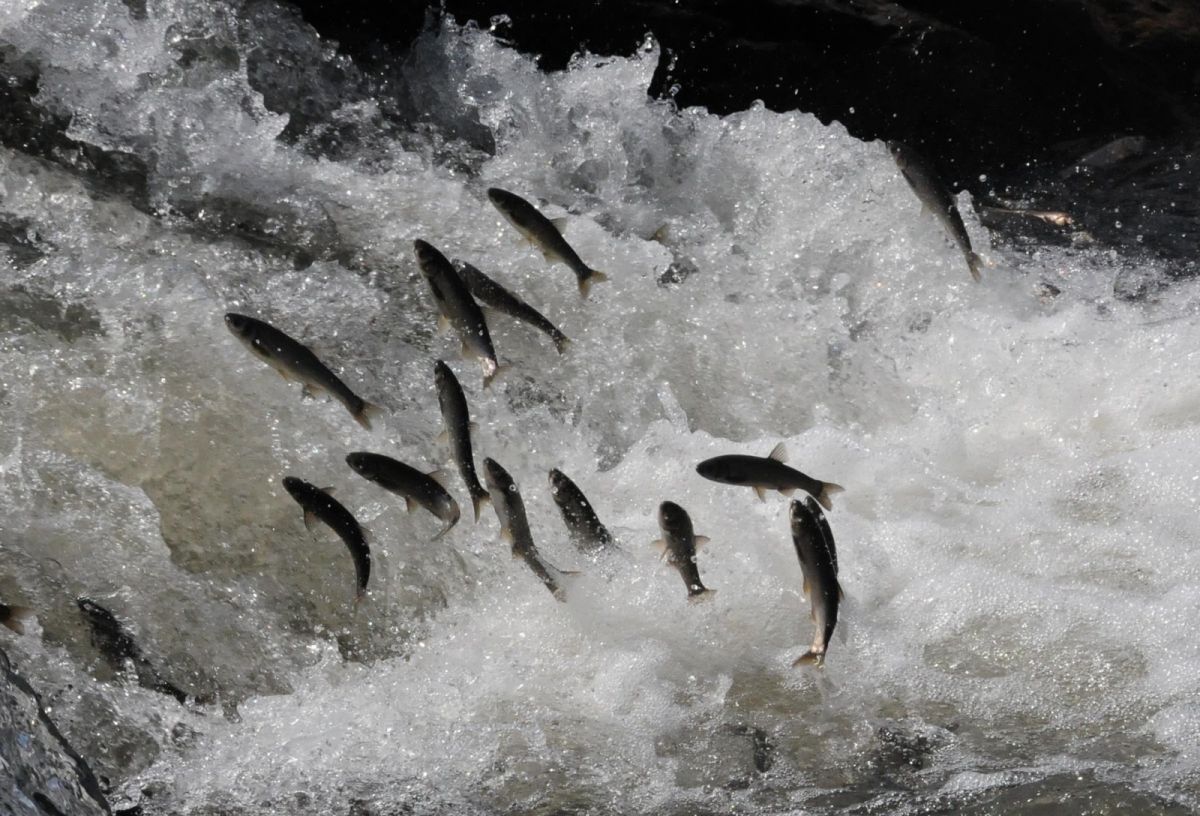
x=457, y=432
x=295, y=361
x=514, y=528
x=488, y=292
x=679, y=544
x=119, y=650
x=545, y=234
x=14, y=617
x=818, y=562
x=417, y=488
x=936, y=197
x=319, y=505
x=766, y=474
x=458, y=309
x=588, y=534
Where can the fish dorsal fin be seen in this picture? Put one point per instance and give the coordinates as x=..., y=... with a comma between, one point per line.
x=699, y=541
x=560, y=224
x=328, y=491
x=779, y=453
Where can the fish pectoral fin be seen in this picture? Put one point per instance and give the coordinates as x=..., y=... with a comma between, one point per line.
x=473, y=427
x=309, y=391
x=369, y=411
x=761, y=492
x=699, y=541
x=443, y=324
x=661, y=546
x=310, y=518
x=779, y=453
x=464, y=349
x=440, y=476
x=560, y=224
x=410, y=504
x=443, y=438
x=806, y=587
x=328, y=491
x=808, y=659
x=506, y=533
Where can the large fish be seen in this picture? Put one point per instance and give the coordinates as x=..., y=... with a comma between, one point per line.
x=417, y=488
x=457, y=308
x=294, y=361
x=514, y=528
x=818, y=562
x=319, y=505
x=587, y=533
x=489, y=293
x=545, y=234
x=457, y=432
x=936, y=197
x=766, y=474
x=14, y=617
x=120, y=651
x=678, y=545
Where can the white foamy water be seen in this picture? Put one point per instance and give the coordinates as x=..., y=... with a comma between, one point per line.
x=1017, y=537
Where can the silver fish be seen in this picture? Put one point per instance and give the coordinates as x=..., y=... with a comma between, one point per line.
x=514, y=528
x=545, y=234
x=489, y=293
x=295, y=361
x=458, y=426
x=679, y=544
x=417, y=488
x=588, y=534
x=766, y=474
x=457, y=308
x=935, y=196
x=118, y=648
x=818, y=562
x=318, y=504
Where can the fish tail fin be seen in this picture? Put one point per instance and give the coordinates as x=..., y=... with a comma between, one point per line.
x=561, y=342
x=701, y=596
x=365, y=414
x=592, y=277
x=488, y=377
x=15, y=618
x=827, y=489
x=973, y=263
x=810, y=658
x=478, y=500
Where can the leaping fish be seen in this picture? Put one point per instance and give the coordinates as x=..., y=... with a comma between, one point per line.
x=766, y=474
x=319, y=505
x=818, y=561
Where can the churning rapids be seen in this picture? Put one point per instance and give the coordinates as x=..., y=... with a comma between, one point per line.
x=1017, y=536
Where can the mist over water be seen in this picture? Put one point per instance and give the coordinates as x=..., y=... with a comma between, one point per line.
x=1016, y=539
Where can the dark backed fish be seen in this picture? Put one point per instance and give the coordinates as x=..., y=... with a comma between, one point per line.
x=417, y=488
x=457, y=432
x=818, y=562
x=678, y=545
x=936, y=197
x=319, y=505
x=295, y=361
x=489, y=293
x=457, y=308
x=545, y=234
x=120, y=651
x=514, y=528
x=766, y=474
x=587, y=533
x=14, y=617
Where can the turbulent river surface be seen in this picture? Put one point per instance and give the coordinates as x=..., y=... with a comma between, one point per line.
x=1017, y=536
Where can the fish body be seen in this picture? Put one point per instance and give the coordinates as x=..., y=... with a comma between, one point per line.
x=545, y=235
x=458, y=308
x=489, y=293
x=678, y=545
x=766, y=474
x=120, y=651
x=935, y=195
x=514, y=528
x=417, y=488
x=294, y=361
x=319, y=505
x=457, y=421
x=587, y=533
x=14, y=617
x=818, y=561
